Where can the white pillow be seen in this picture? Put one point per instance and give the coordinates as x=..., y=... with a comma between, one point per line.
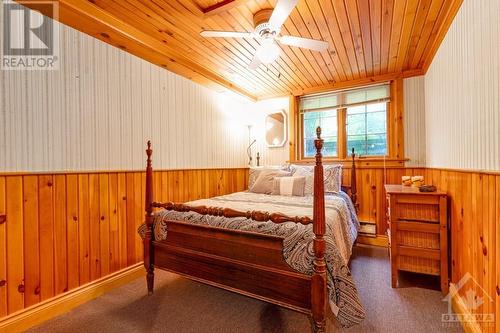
x=264, y=183
x=254, y=172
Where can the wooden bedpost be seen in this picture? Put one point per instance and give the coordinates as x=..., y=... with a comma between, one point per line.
x=354, y=191
x=318, y=282
x=148, y=238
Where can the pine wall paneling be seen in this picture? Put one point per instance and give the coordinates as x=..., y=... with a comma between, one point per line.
x=65, y=230
x=366, y=39
x=474, y=212
x=462, y=126
x=475, y=221
x=65, y=226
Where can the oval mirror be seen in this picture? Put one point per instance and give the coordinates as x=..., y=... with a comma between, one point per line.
x=276, y=129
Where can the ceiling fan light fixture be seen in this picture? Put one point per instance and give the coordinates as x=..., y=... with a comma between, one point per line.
x=268, y=51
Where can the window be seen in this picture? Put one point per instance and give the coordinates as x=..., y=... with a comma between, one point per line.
x=328, y=121
x=349, y=119
x=367, y=130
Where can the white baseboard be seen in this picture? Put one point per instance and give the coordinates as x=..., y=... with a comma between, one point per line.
x=43, y=311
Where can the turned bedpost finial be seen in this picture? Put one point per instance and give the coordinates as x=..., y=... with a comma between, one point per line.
x=149, y=152
x=318, y=143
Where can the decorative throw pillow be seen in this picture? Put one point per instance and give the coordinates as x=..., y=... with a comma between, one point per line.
x=332, y=175
x=264, y=182
x=289, y=186
x=254, y=172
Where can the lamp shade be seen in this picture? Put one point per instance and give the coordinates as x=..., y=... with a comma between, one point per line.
x=268, y=51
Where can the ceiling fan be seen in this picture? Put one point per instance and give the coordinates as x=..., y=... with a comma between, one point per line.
x=267, y=23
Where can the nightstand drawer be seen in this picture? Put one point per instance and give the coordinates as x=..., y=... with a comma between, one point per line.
x=418, y=234
x=419, y=265
x=421, y=240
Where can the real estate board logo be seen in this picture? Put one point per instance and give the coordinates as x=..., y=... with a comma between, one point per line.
x=30, y=39
x=474, y=304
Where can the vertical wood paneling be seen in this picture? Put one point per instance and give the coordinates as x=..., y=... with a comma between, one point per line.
x=104, y=223
x=462, y=122
x=46, y=224
x=122, y=220
x=139, y=183
x=3, y=251
x=474, y=233
x=130, y=217
x=114, y=241
x=473, y=211
x=31, y=241
x=497, y=250
x=60, y=232
x=84, y=228
x=72, y=226
x=462, y=108
x=94, y=227
x=15, y=257
x=66, y=230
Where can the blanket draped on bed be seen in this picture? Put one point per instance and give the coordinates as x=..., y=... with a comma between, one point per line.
x=341, y=231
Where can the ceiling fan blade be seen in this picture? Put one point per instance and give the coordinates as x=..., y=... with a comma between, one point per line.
x=255, y=63
x=281, y=12
x=226, y=34
x=307, y=43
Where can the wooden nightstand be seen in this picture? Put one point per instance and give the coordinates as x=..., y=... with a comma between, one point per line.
x=418, y=233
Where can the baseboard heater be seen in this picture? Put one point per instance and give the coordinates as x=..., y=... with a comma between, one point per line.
x=368, y=229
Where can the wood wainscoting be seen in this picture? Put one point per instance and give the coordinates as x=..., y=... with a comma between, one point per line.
x=370, y=182
x=474, y=209
x=474, y=214
x=45, y=214
x=59, y=231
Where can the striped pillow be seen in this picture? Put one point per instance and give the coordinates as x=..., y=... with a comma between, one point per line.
x=289, y=186
x=332, y=175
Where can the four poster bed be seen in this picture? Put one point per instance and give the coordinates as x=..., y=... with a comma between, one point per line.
x=265, y=254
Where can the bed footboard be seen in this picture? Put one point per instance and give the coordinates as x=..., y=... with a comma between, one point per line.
x=248, y=263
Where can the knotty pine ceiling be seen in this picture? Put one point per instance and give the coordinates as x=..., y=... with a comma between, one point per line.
x=368, y=39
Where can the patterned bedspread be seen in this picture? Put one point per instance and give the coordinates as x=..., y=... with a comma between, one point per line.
x=341, y=230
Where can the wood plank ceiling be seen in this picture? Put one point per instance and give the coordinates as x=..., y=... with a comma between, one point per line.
x=368, y=39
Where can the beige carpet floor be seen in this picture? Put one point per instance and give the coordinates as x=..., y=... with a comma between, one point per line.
x=181, y=305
